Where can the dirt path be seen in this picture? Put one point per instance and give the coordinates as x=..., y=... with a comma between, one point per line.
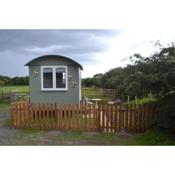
x=8, y=135
x=12, y=136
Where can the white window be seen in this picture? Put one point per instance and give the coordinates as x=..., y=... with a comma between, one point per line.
x=54, y=78
x=47, y=78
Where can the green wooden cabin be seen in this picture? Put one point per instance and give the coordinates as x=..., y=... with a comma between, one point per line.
x=54, y=79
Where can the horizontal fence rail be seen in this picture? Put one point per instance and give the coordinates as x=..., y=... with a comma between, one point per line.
x=14, y=96
x=93, y=93
x=86, y=92
x=84, y=117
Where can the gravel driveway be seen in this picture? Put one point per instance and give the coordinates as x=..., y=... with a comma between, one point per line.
x=7, y=133
x=12, y=136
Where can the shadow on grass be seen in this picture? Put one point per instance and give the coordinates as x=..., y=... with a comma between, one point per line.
x=155, y=137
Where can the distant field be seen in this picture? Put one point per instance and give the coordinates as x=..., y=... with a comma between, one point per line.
x=14, y=88
x=88, y=92
x=26, y=88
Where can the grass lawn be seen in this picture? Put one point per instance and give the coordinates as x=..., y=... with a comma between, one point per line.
x=144, y=100
x=155, y=138
x=7, y=89
x=4, y=106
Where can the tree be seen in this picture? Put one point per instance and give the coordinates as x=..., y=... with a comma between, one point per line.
x=99, y=75
x=14, y=81
x=153, y=74
x=2, y=83
x=157, y=72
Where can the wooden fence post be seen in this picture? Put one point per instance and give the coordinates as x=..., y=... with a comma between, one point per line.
x=98, y=116
x=108, y=118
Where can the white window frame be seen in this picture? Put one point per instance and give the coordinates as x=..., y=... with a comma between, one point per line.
x=54, y=78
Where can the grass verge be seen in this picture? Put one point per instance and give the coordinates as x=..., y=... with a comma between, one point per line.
x=4, y=106
x=7, y=89
x=155, y=137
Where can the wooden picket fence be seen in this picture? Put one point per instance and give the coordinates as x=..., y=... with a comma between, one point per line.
x=84, y=117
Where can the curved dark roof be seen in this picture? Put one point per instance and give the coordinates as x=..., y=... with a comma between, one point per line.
x=53, y=56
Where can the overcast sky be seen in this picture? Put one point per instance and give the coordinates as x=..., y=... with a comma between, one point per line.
x=97, y=50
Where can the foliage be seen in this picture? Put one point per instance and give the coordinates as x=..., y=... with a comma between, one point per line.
x=2, y=83
x=99, y=75
x=91, y=82
x=7, y=89
x=166, y=115
x=154, y=74
x=19, y=81
x=7, y=81
x=4, y=106
x=155, y=137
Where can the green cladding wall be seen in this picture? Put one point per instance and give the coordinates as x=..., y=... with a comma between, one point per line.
x=71, y=96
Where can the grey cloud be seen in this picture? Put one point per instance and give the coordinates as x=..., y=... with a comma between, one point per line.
x=13, y=39
x=22, y=45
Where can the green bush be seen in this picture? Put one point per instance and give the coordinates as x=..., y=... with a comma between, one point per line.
x=166, y=113
x=2, y=83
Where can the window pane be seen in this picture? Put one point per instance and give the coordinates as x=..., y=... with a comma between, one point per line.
x=47, y=78
x=60, y=78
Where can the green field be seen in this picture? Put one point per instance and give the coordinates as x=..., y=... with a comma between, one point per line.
x=88, y=92
x=6, y=89
x=4, y=106
x=144, y=100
